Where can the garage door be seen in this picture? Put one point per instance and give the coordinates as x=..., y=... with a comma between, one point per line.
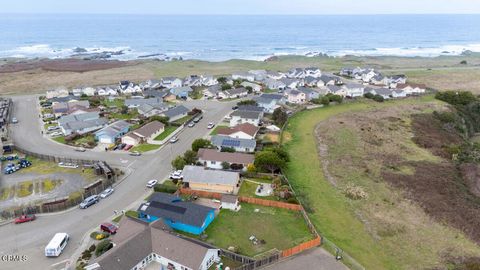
x=105, y=139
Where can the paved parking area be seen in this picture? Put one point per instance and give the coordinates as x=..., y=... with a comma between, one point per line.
x=317, y=258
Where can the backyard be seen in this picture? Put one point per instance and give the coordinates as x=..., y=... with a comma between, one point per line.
x=279, y=228
x=249, y=186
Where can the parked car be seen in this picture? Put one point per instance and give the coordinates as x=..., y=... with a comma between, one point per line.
x=24, y=218
x=176, y=175
x=56, y=134
x=135, y=154
x=191, y=124
x=152, y=183
x=235, y=108
x=128, y=147
x=107, y=192
x=14, y=120
x=52, y=128
x=89, y=201
x=80, y=149
x=108, y=228
x=197, y=119
x=210, y=125
x=174, y=139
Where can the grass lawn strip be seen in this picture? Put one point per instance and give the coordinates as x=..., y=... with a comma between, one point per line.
x=24, y=189
x=215, y=130
x=168, y=130
x=145, y=147
x=280, y=228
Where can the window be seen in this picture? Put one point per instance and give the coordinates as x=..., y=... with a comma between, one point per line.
x=214, y=162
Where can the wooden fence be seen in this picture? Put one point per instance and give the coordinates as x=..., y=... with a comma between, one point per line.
x=303, y=246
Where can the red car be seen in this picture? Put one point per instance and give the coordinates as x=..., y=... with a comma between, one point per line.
x=24, y=218
x=109, y=228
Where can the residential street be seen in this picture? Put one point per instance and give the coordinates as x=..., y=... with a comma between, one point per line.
x=30, y=238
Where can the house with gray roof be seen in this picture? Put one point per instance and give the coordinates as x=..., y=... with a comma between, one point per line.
x=149, y=110
x=309, y=93
x=212, y=91
x=235, y=93
x=181, y=92
x=139, y=244
x=176, y=113
x=177, y=214
x=240, y=145
x=171, y=82
x=81, y=123
x=241, y=117
x=274, y=84
x=137, y=102
x=292, y=83
x=269, y=102
x=112, y=132
x=200, y=178
x=353, y=90
x=243, y=76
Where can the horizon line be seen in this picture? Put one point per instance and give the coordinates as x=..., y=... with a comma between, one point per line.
x=234, y=14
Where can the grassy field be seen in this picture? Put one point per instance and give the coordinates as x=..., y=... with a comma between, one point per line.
x=60, y=139
x=24, y=189
x=45, y=167
x=280, y=228
x=145, y=147
x=341, y=220
x=168, y=130
x=35, y=81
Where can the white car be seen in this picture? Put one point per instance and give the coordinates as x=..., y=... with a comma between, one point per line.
x=174, y=139
x=135, y=154
x=14, y=120
x=176, y=175
x=56, y=134
x=52, y=128
x=107, y=192
x=80, y=149
x=152, y=183
x=210, y=125
x=191, y=124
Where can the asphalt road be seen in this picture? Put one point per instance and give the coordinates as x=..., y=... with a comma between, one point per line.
x=30, y=239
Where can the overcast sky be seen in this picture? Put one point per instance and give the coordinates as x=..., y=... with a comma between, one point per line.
x=241, y=6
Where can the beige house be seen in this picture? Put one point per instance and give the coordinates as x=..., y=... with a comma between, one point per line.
x=199, y=178
x=145, y=134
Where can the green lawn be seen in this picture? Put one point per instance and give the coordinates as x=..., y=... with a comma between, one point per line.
x=182, y=120
x=59, y=139
x=118, y=102
x=144, y=147
x=280, y=228
x=168, y=130
x=131, y=114
x=215, y=130
x=248, y=189
x=332, y=214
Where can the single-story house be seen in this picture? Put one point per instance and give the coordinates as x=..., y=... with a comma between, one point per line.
x=89, y=91
x=139, y=245
x=61, y=108
x=176, y=113
x=384, y=92
x=77, y=92
x=181, y=92
x=176, y=213
x=327, y=80
x=212, y=91
x=255, y=87
x=107, y=92
x=397, y=93
x=274, y=84
x=149, y=110
x=296, y=97
x=292, y=83
x=137, y=102
x=83, y=126
x=250, y=108
x=208, y=80
x=229, y=201
x=213, y=159
x=259, y=74
x=69, y=98
x=155, y=93
x=336, y=90
x=243, y=76
x=313, y=72
x=296, y=73
x=112, y=132
x=56, y=93
x=240, y=117
x=200, y=178
x=242, y=131
x=236, y=93
x=275, y=75
x=412, y=88
x=309, y=93
x=144, y=134
x=239, y=145
x=310, y=81
x=353, y=89
x=171, y=82
x=192, y=80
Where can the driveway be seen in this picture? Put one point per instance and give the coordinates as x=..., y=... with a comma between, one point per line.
x=29, y=239
x=316, y=258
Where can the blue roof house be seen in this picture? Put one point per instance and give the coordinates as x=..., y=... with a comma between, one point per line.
x=112, y=132
x=177, y=214
x=181, y=92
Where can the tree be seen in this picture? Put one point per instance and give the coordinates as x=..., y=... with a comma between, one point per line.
x=222, y=80
x=269, y=161
x=280, y=153
x=247, y=102
x=378, y=98
x=325, y=101
x=249, y=89
x=103, y=246
x=279, y=116
x=190, y=157
x=200, y=143
x=456, y=97
x=178, y=163
x=251, y=168
x=226, y=87
x=161, y=119
x=335, y=98
x=463, y=62
x=237, y=82
x=124, y=110
x=225, y=165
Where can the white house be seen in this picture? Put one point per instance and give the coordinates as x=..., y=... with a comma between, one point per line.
x=230, y=202
x=295, y=97
x=146, y=133
x=353, y=90
x=171, y=82
x=89, y=91
x=313, y=72
x=412, y=89
x=241, y=117
x=255, y=87
x=259, y=74
x=275, y=75
x=213, y=159
x=274, y=84
x=235, y=93
x=77, y=92
x=57, y=93
x=243, y=76
x=291, y=83
x=208, y=80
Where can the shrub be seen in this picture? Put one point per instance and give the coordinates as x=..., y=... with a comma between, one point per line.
x=92, y=248
x=165, y=188
x=355, y=192
x=378, y=98
x=368, y=95
x=102, y=247
x=292, y=200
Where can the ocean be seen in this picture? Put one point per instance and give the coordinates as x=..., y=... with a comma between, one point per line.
x=217, y=38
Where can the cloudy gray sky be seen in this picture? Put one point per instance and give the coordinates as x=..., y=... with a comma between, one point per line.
x=242, y=6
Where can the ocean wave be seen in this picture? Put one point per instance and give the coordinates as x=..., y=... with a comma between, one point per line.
x=412, y=52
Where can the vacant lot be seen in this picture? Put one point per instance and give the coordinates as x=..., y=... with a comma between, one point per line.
x=279, y=228
x=383, y=230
